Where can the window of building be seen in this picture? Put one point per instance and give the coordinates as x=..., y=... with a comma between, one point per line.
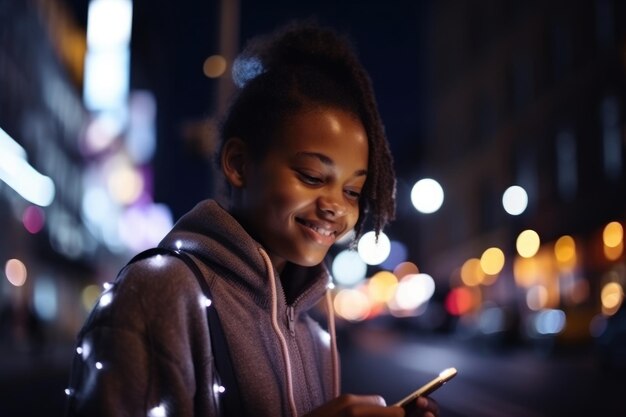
x=611, y=138
x=566, y=164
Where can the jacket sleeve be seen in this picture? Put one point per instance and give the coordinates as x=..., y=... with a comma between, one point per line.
x=144, y=351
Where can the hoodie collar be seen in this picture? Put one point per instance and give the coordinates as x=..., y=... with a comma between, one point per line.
x=211, y=234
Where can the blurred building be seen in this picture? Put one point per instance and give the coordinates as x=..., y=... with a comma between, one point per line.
x=45, y=247
x=527, y=93
x=77, y=151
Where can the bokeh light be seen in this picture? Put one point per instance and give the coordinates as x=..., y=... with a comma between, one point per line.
x=109, y=23
x=125, y=184
x=549, y=321
x=351, y=304
x=525, y=271
x=471, y=272
x=405, y=268
x=372, y=251
x=89, y=296
x=413, y=291
x=460, y=301
x=45, y=298
x=613, y=239
x=492, y=261
x=33, y=219
x=143, y=226
x=611, y=296
x=613, y=234
x=427, y=196
x=382, y=286
x=348, y=268
x=101, y=132
x=613, y=253
x=22, y=177
x=515, y=200
x=537, y=297
x=16, y=272
x=214, y=66
x=527, y=243
x=565, y=252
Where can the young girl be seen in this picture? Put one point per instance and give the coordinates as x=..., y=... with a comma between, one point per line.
x=306, y=161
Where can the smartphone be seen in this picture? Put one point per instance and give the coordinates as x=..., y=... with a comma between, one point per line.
x=443, y=377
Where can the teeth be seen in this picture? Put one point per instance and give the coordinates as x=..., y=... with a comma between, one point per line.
x=321, y=231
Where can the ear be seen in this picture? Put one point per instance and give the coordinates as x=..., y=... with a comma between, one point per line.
x=234, y=160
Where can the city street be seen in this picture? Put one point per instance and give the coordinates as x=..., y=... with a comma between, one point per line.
x=492, y=133
x=514, y=383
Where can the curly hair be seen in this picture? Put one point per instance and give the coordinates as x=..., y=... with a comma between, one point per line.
x=303, y=66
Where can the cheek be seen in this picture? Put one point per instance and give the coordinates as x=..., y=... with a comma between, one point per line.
x=280, y=194
x=353, y=217
x=352, y=214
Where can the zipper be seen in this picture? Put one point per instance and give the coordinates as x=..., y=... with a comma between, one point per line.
x=299, y=373
x=291, y=311
x=291, y=318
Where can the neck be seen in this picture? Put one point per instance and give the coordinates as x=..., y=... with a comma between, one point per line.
x=293, y=280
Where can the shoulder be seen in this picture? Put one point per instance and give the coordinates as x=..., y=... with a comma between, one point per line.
x=157, y=276
x=159, y=289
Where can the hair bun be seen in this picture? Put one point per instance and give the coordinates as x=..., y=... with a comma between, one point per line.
x=295, y=45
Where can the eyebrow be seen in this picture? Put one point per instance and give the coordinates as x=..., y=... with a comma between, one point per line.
x=327, y=161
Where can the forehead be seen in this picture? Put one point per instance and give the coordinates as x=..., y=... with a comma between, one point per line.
x=335, y=132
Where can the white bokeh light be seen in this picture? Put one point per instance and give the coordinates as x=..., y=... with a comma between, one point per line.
x=158, y=411
x=414, y=290
x=352, y=304
x=348, y=268
x=515, y=200
x=427, y=196
x=371, y=251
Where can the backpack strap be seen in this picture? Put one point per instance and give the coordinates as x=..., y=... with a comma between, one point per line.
x=228, y=392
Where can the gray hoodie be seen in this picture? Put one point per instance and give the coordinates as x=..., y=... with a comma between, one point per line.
x=145, y=350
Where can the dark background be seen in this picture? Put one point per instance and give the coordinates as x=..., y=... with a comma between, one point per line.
x=473, y=93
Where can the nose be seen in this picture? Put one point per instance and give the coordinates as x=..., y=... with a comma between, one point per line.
x=332, y=204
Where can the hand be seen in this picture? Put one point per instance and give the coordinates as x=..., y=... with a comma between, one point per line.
x=423, y=407
x=349, y=405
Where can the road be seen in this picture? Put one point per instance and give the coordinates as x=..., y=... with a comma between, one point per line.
x=516, y=382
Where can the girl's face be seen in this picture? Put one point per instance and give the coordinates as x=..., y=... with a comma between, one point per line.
x=304, y=194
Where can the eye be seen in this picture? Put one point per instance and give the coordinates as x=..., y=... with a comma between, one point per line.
x=352, y=194
x=309, y=179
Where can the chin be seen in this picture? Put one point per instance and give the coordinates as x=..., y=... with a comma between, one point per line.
x=309, y=261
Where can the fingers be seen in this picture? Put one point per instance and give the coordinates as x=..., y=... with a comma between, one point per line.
x=365, y=399
x=423, y=407
x=349, y=405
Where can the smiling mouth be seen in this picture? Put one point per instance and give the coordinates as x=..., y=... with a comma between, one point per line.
x=319, y=230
